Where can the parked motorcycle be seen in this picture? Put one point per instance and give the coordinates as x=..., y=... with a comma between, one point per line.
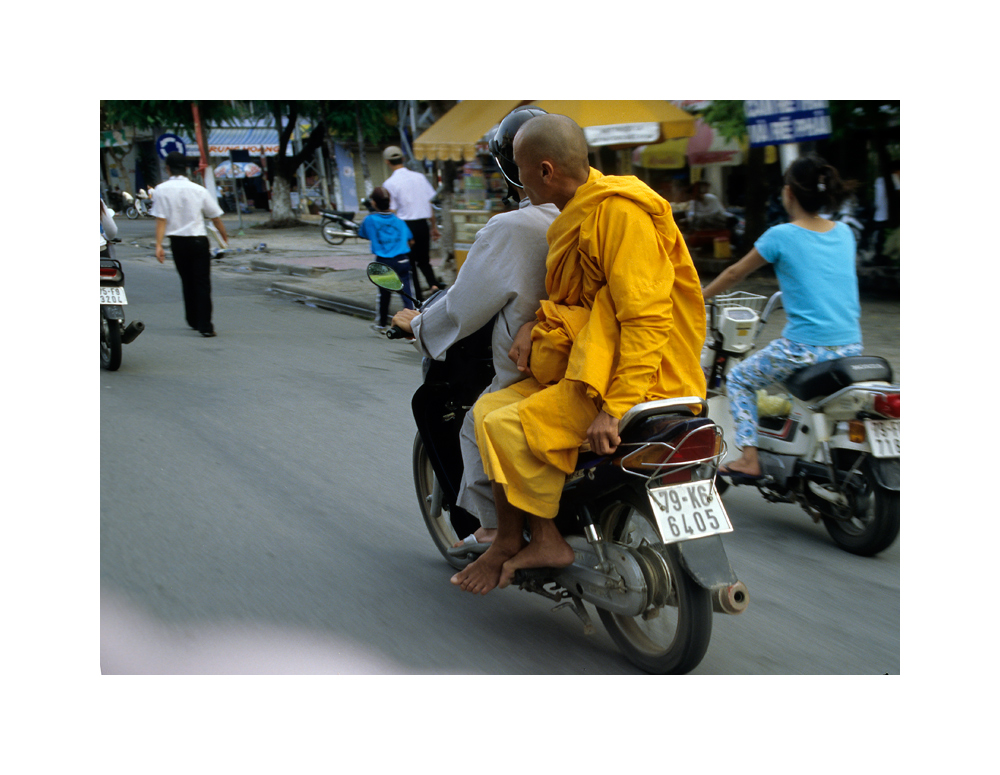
x=645, y=523
x=337, y=226
x=828, y=438
x=114, y=332
x=138, y=207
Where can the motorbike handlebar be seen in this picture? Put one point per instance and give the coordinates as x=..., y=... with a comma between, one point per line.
x=395, y=332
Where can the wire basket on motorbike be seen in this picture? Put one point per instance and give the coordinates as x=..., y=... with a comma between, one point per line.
x=736, y=316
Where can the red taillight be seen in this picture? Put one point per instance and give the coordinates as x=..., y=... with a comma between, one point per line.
x=697, y=445
x=887, y=405
x=701, y=444
x=109, y=273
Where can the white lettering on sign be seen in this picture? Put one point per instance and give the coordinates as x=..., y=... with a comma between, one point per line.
x=622, y=134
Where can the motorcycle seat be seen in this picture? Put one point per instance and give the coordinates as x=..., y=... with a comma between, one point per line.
x=336, y=213
x=828, y=377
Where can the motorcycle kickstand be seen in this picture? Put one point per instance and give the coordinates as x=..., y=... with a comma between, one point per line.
x=577, y=605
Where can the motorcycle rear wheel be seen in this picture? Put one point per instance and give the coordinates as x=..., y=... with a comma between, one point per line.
x=111, y=344
x=674, y=640
x=131, y=212
x=875, y=523
x=435, y=517
x=329, y=230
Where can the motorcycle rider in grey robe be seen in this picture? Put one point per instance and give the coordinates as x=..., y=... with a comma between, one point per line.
x=503, y=275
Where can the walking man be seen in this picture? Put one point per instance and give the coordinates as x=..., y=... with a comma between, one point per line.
x=411, y=200
x=181, y=209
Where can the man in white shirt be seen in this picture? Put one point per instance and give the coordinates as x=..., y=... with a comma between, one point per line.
x=181, y=209
x=411, y=196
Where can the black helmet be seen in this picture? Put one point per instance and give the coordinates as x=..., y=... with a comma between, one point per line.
x=502, y=142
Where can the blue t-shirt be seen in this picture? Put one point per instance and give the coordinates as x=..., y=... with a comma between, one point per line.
x=388, y=234
x=819, y=283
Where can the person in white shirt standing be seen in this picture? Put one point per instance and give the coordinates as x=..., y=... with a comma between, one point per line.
x=181, y=209
x=411, y=196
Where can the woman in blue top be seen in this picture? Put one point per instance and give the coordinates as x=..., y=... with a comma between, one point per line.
x=391, y=239
x=814, y=260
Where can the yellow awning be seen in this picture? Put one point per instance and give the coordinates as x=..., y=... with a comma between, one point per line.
x=673, y=121
x=454, y=136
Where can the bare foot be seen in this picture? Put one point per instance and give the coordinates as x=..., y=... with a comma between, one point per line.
x=484, y=535
x=548, y=552
x=481, y=576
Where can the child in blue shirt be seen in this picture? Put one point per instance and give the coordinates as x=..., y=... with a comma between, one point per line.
x=391, y=239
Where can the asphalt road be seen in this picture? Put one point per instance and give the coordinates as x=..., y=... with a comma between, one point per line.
x=258, y=516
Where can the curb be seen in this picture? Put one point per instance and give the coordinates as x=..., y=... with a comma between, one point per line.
x=324, y=299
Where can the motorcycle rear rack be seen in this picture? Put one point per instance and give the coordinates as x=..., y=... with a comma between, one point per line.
x=667, y=467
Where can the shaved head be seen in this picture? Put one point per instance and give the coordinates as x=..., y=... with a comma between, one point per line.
x=556, y=139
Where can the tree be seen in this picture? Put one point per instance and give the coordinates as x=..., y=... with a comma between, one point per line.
x=729, y=119
x=355, y=119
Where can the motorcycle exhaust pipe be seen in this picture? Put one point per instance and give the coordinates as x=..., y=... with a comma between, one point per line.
x=132, y=330
x=733, y=599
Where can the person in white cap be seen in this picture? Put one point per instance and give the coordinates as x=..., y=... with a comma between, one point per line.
x=411, y=196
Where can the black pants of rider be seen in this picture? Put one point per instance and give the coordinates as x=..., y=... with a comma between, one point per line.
x=193, y=261
x=420, y=255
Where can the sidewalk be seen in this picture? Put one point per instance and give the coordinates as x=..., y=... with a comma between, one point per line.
x=333, y=277
x=305, y=265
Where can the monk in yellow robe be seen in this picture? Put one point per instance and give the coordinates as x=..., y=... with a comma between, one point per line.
x=624, y=323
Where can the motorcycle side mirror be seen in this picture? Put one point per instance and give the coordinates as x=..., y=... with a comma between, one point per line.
x=385, y=277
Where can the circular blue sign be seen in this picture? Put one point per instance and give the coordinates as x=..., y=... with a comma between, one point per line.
x=167, y=143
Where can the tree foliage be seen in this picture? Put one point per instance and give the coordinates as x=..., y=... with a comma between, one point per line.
x=166, y=114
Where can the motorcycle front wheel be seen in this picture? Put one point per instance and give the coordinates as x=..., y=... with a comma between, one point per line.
x=131, y=213
x=111, y=344
x=873, y=523
x=673, y=635
x=431, y=505
x=330, y=233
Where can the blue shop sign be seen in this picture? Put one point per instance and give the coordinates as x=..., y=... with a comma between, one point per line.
x=167, y=143
x=775, y=122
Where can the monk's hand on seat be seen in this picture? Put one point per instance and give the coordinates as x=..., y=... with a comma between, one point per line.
x=520, y=352
x=603, y=434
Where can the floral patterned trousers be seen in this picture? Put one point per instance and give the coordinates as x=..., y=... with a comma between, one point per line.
x=775, y=363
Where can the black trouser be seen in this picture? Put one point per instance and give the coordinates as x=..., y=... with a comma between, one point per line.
x=193, y=262
x=402, y=267
x=420, y=255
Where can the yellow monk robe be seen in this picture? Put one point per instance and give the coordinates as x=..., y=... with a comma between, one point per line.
x=624, y=323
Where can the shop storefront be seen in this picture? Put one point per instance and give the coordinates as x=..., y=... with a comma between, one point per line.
x=460, y=136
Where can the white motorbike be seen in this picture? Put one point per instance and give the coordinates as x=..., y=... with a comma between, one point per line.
x=828, y=437
x=140, y=206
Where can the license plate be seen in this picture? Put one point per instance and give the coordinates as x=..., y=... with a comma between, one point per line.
x=883, y=435
x=687, y=511
x=113, y=294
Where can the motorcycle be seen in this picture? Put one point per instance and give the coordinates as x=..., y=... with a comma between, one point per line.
x=828, y=439
x=114, y=332
x=336, y=226
x=136, y=207
x=645, y=522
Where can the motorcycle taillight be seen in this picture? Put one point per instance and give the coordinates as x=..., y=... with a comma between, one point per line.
x=887, y=405
x=110, y=273
x=678, y=457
